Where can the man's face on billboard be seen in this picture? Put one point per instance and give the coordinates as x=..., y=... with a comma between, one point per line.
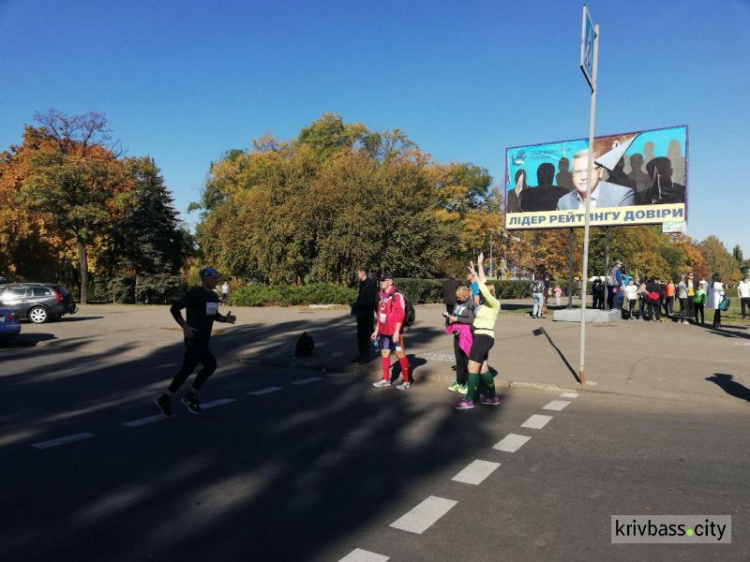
x=580, y=175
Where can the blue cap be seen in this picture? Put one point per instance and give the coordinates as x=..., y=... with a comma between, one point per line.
x=208, y=272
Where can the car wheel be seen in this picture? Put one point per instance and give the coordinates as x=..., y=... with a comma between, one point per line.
x=39, y=315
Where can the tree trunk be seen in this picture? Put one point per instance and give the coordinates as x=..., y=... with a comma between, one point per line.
x=83, y=262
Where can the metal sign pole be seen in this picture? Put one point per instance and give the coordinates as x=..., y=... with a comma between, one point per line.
x=582, y=369
x=570, y=269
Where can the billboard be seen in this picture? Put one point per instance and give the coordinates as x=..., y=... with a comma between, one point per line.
x=639, y=178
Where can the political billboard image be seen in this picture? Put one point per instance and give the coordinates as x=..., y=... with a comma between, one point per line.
x=639, y=178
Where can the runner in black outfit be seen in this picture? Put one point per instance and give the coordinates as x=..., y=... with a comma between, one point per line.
x=202, y=305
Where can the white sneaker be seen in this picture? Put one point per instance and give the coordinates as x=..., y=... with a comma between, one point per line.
x=404, y=386
x=382, y=383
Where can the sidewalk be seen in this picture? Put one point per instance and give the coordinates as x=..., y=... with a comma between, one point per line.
x=667, y=360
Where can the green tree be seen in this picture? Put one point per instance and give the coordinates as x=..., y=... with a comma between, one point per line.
x=719, y=260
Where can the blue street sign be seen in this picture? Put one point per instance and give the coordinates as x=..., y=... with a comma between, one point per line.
x=588, y=36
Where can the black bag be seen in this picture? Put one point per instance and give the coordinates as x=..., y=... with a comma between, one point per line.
x=305, y=346
x=410, y=315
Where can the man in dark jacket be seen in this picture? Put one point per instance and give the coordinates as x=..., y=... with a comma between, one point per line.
x=364, y=310
x=449, y=293
x=651, y=298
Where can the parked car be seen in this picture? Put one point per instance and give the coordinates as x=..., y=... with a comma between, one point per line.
x=10, y=325
x=37, y=302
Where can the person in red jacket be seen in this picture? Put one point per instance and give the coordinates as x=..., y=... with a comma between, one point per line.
x=391, y=311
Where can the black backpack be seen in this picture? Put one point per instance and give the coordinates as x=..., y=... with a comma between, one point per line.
x=410, y=315
x=305, y=346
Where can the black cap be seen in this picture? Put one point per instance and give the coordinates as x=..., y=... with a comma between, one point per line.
x=386, y=275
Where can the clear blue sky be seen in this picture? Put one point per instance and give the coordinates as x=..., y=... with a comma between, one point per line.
x=186, y=81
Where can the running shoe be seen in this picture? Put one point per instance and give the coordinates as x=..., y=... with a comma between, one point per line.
x=404, y=386
x=464, y=405
x=464, y=390
x=487, y=401
x=455, y=387
x=164, y=403
x=382, y=383
x=191, y=402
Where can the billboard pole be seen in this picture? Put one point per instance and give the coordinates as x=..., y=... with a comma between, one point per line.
x=586, y=46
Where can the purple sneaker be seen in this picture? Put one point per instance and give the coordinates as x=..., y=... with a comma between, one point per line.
x=464, y=405
x=487, y=401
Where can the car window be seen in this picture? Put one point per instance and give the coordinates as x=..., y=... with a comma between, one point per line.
x=42, y=292
x=15, y=292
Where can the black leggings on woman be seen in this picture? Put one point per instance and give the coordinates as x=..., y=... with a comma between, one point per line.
x=462, y=363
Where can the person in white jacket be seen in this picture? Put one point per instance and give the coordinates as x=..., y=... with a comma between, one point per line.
x=715, y=296
x=743, y=291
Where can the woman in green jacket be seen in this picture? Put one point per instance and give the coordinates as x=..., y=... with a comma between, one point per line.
x=484, y=339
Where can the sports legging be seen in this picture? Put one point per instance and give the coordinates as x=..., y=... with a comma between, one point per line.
x=197, y=352
x=462, y=363
x=699, y=308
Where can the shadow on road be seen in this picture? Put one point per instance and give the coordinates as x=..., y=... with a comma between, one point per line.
x=543, y=332
x=728, y=385
x=279, y=478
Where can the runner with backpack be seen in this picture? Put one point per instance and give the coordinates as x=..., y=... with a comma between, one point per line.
x=394, y=313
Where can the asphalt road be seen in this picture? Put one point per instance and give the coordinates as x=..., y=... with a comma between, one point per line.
x=316, y=465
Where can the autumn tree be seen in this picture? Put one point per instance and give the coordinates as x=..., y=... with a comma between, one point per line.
x=76, y=179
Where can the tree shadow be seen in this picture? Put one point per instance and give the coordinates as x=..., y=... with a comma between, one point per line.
x=26, y=340
x=728, y=385
x=727, y=332
x=284, y=477
x=543, y=332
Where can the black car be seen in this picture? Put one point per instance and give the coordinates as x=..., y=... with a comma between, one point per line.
x=37, y=302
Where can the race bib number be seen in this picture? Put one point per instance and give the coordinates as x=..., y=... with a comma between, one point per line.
x=382, y=318
x=212, y=308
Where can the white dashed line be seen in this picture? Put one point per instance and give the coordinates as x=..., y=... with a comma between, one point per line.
x=569, y=395
x=422, y=517
x=476, y=472
x=557, y=405
x=359, y=555
x=307, y=381
x=511, y=443
x=536, y=422
x=63, y=440
x=145, y=421
x=219, y=402
x=263, y=391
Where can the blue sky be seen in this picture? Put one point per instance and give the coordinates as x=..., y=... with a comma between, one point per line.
x=186, y=81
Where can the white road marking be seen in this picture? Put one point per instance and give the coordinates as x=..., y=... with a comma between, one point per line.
x=263, y=391
x=536, y=422
x=557, y=405
x=511, y=443
x=307, y=381
x=145, y=421
x=422, y=517
x=476, y=472
x=569, y=395
x=62, y=440
x=219, y=402
x=359, y=555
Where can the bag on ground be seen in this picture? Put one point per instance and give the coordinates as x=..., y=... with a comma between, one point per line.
x=305, y=346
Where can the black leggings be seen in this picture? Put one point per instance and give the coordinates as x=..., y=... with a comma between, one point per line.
x=196, y=352
x=717, y=317
x=462, y=363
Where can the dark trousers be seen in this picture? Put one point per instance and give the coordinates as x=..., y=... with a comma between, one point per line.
x=197, y=352
x=462, y=363
x=654, y=310
x=669, y=306
x=699, y=308
x=598, y=301
x=683, y=309
x=717, y=317
x=744, y=302
x=631, y=307
x=610, y=298
x=365, y=328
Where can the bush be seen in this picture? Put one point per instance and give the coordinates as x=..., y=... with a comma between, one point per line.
x=257, y=294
